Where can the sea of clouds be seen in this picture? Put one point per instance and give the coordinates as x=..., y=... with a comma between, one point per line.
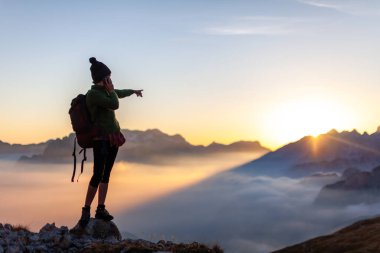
x=242, y=213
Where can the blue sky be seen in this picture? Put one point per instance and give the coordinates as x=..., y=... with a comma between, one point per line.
x=210, y=70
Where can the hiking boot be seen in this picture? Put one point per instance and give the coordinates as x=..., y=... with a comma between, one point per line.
x=85, y=218
x=103, y=214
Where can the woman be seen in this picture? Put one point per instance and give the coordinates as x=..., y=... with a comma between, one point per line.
x=102, y=100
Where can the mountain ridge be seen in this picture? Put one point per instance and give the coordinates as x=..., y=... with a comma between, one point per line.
x=330, y=152
x=354, y=187
x=148, y=146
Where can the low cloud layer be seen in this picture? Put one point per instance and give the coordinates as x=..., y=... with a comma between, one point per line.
x=241, y=213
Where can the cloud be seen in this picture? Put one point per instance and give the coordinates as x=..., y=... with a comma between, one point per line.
x=258, y=30
x=321, y=4
x=256, y=26
x=352, y=7
x=241, y=213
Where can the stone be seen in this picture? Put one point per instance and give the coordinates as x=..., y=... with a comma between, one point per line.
x=12, y=236
x=98, y=236
x=29, y=248
x=34, y=238
x=65, y=241
x=13, y=249
x=161, y=242
x=48, y=227
x=72, y=250
x=99, y=229
x=8, y=226
x=40, y=248
x=77, y=244
x=169, y=243
x=125, y=250
x=111, y=240
x=21, y=233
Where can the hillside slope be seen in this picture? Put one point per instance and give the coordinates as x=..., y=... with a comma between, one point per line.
x=362, y=236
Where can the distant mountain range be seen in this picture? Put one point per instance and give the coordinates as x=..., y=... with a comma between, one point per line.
x=14, y=151
x=353, y=187
x=150, y=146
x=330, y=152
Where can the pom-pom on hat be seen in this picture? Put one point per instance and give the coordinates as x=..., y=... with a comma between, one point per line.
x=98, y=70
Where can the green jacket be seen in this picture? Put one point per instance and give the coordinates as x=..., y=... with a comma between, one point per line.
x=102, y=106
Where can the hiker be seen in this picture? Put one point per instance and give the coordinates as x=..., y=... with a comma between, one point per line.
x=102, y=100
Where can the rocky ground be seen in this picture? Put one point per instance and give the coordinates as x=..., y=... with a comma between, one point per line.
x=98, y=236
x=362, y=236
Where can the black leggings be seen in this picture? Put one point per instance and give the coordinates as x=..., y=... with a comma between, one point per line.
x=104, y=157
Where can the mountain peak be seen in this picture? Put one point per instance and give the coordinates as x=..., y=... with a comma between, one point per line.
x=354, y=131
x=154, y=131
x=332, y=132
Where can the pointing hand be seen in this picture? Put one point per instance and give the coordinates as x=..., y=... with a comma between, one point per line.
x=138, y=93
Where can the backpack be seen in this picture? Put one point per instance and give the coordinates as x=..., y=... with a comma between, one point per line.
x=85, y=130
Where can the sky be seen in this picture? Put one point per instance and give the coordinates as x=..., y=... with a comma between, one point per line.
x=266, y=70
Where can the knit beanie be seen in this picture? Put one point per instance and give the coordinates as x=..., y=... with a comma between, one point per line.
x=98, y=70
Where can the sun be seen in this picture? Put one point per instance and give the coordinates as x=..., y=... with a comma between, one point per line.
x=294, y=119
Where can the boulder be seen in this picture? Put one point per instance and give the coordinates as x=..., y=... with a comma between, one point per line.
x=56, y=236
x=98, y=229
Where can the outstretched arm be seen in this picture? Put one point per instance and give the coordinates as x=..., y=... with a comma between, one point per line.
x=127, y=92
x=120, y=93
x=124, y=93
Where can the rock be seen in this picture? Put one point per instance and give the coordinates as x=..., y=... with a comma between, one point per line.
x=72, y=250
x=54, y=236
x=65, y=241
x=29, y=248
x=48, y=227
x=111, y=240
x=21, y=233
x=13, y=249
x=169, y=244
x=97, y=237
x=97, y=228
x=77, y=244
x=34, y=238
x=12, y=237
x=8, y=226
x=40, y=248
x=161, y=242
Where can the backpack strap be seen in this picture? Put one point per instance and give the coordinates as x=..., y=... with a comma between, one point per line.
x=75, y=159
x=82, y=163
